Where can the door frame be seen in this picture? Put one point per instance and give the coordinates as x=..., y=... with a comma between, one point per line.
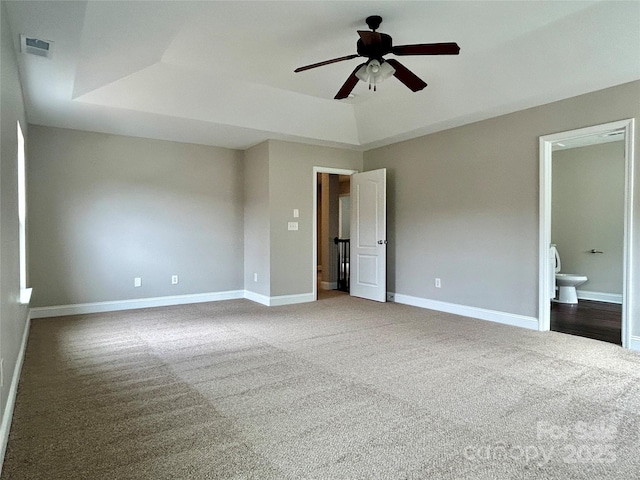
x=314, y=264
x=546, y=144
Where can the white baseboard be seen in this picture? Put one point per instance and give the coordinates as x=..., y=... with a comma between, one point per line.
x=600, y=296
x=635, y=343
x=113, y=306
x=258, y=298
x=328, y=285
x=291, y=299
x=7, y=414
x=473, y=312
x=279, y=300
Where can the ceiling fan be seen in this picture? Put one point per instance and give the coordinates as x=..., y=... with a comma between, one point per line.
x=374, y=46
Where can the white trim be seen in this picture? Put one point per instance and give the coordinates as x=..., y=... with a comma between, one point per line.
x=333, y=171
x=328, y=285
x=291, y=299
x=634, y=343
x=7, y=414
x=505, y=318
x=628, y=286
x=314, y=223
x=118, y=305
x=113, y=306
x=25, y=296
x=600, y=296
x=22, y=206
x=279, y=300
x=544, y=242
x=256, y=297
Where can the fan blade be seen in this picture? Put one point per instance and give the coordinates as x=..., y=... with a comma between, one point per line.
x=349, y=84
x=369, y=38
x=451, y=48
x=326, y=62
x=406, y=76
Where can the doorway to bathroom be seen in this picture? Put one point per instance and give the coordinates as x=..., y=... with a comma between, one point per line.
x=585, y=215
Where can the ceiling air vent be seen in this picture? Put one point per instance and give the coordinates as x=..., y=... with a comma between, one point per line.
x=35, y=46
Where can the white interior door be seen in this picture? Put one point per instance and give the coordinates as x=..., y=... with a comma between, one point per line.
x=369, y=235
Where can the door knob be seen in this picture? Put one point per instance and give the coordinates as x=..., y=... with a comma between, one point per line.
x=382, y=242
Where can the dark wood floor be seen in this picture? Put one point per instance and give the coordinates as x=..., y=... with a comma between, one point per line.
x=597, y=320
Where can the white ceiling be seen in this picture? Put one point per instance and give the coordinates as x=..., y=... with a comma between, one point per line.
x=221, y=73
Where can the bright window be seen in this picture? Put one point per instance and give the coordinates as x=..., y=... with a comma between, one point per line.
x=22, y=210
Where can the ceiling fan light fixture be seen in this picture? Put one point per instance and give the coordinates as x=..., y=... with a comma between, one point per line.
x=375, y=72
x=374, y=46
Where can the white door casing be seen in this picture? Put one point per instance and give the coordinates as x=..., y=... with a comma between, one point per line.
x=545, y=261
x=369, y=235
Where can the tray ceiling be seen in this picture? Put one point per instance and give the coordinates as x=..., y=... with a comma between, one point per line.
x=221, y=73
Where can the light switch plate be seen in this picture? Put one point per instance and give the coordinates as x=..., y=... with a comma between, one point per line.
x=296, y=213
x=293, y=225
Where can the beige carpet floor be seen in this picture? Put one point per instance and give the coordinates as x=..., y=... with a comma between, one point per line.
x=341, y=388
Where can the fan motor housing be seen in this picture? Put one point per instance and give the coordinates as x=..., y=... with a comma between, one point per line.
x=376, y=50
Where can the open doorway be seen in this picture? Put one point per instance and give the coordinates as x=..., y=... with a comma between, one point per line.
x=332, y=214
x=333, y=220
x=585, y=231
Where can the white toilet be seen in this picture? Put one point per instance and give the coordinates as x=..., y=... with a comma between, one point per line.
x=567, y=283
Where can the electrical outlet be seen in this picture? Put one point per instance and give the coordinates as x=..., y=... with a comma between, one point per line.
x=255, y=277
x=174, y=279
x=137, y=282
x=438, y=283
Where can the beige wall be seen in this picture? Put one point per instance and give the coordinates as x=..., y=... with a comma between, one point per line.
x=106, y=208
x=588, y=213
x=13, y=316
x=291, y=185
x=278, y=179
x=256, y=220
x=463, y=203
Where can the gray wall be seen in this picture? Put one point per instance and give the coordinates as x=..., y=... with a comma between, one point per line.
x=291, y=185
x=463, y=203
x=256, y=220
x=13, y=316
x=345, y=216
x=588, y=212
x=105, y=209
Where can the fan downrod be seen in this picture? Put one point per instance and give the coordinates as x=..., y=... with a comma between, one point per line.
x=374, y=22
